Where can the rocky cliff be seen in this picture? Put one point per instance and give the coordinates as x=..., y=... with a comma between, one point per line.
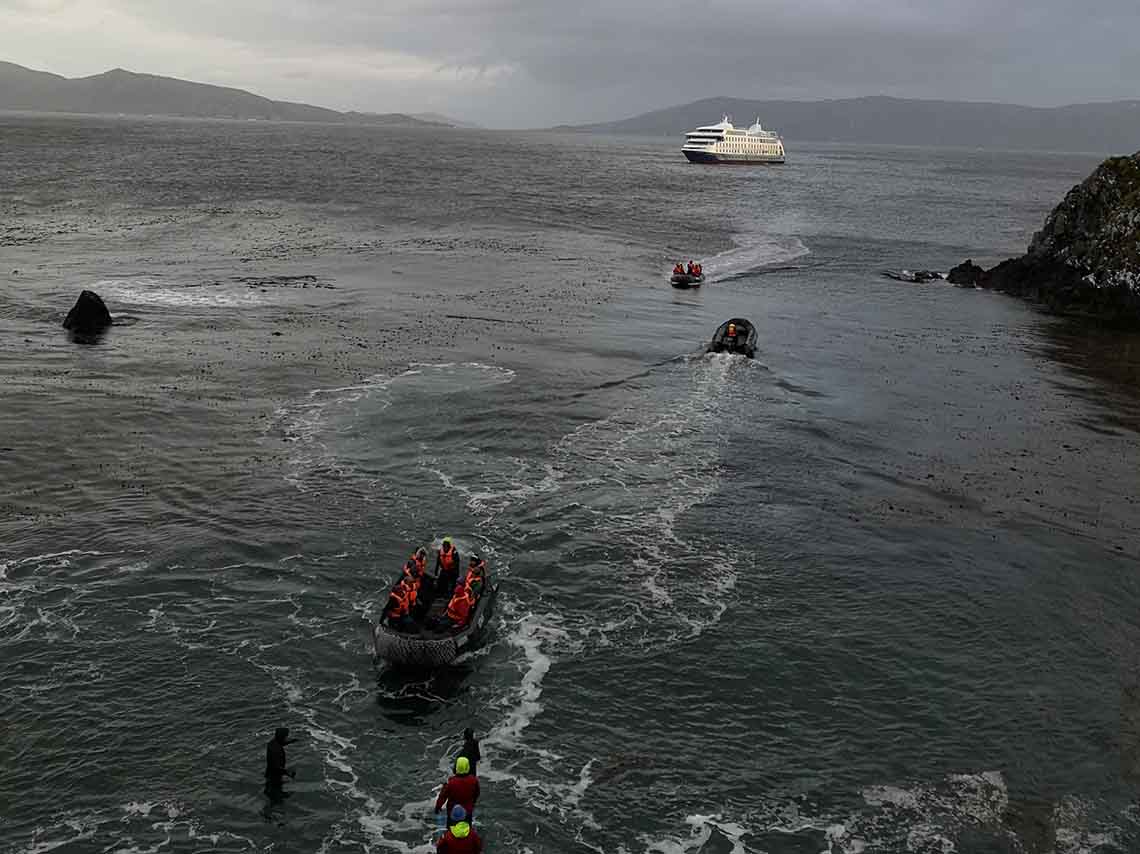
x=1086, y=258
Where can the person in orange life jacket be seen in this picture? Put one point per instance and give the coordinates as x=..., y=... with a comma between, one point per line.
x=732, y=330
x=692, y=271
x=476, y=575
x=459, y=608
x=461, y=788
x=409, y=571
x=461, y=837
x=420, y=557
x=678, y=270
x=699, y=269
x=399, y=607
x=446, y=568
x=413, y=577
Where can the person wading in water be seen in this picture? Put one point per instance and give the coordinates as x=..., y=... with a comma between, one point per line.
x=275, y=768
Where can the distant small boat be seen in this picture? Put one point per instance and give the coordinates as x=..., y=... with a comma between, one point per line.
x=685, y=280
x=736, y=335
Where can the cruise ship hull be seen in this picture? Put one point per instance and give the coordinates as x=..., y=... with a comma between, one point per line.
x=730, y=160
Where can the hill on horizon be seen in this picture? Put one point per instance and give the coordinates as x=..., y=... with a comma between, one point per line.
x=1109, y=128
x=127, y=92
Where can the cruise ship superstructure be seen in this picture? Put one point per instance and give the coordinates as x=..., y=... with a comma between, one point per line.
x=725, y=143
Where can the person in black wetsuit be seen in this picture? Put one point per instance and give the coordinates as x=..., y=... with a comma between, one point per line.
x=275, y=768
x=470, y=748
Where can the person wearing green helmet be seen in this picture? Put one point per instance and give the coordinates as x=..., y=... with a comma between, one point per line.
x=446, y=569
x=461, y=837
x=462, y=789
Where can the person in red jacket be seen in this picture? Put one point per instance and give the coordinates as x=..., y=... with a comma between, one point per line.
x=461, y=837
x=461, y=788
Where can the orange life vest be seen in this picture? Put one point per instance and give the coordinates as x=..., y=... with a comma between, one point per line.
x=421, y=562
x=459, y=607
x=475, y=575
x=475, y=572
x=402, y=606
x=447, y=558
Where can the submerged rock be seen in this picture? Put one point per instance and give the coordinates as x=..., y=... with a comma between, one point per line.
x=88, y=316
x=966, y=273
x=1086, y=258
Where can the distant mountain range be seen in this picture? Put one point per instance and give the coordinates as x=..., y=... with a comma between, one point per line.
x=120, y=91
x=445, y=120
x=1108, y=128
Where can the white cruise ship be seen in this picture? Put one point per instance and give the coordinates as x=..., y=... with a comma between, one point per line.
x=723, y=143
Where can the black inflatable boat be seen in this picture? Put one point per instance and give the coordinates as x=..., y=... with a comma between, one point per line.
x=736, y=335
x=424, y=645
x=684, y=280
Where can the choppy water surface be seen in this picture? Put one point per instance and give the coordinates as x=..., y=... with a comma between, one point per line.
x=873, y=591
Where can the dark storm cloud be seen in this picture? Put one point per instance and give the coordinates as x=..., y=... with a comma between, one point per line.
x=535, y=62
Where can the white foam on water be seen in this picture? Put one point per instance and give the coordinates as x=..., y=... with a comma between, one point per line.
x=753, y=252
x=67, y=832
x=498, y=488
x=530, y=633
x=26, y=582
x=1071, y=818
x=927, y=816
x=141, y=808
x=701, y=830
x=155, y=292
x=311, y=424
x=416, y=818
x=924, y=818
x=508, y=763
x=115, y=829
x=641, y=470
x=304, y=425
x=882, y=795
x=628, y=479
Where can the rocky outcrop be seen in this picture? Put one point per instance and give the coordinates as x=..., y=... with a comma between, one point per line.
x=914, y=276
x=966, y=273
x=89, y=315
x=1086, y=258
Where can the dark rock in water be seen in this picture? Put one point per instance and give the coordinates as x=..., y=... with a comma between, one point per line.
x=88, y=316
x=1086, y=258
x=915, y=276
x=1032, y=819
x=966, y=273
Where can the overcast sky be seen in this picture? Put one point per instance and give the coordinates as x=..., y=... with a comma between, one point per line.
x=527, y=63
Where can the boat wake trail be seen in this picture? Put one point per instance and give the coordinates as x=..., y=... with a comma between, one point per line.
x=333, y=432
x=754, y=252
x=631, y=481
x=611, y=500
